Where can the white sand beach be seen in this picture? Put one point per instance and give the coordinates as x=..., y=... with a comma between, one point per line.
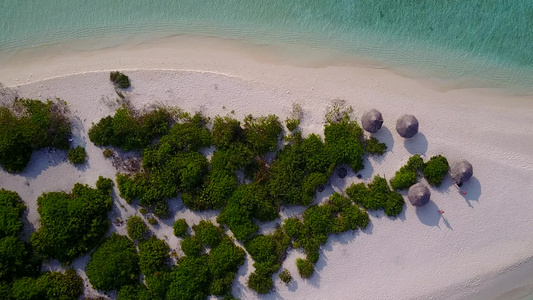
x=480, y=248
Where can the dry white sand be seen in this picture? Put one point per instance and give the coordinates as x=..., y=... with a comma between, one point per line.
x=480, y=248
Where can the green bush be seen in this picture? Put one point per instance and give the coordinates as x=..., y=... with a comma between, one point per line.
x=305, y=267
x=408, y=174
x=180, y=228
x=207, y=233
x=136, y=228
x=158, y=283
x=133, y=292
x=154, y=255
x=71, y=224
x=373, y=146
x=31, y=125
x=376, y=196
x=227, y=132
x=261, y=282
x=262, y=134
x=292, y=124
x=11, y=210
x=77, y=155
x=436, y=169
x=285, y=276
x=119, y=79
x=128, y=130
x=190, y=279
x=13, y=258
x=50, y=285
x=345, y=143
x=191, y=246
x=113, y=264
x=224, y=261
x=108, y=153
x=104, y=185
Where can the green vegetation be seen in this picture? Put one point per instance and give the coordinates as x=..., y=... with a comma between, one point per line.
x=374, y=147
x=436, y=169
x=305, y=267
x=115, y=263
x=108, y=153
x=128, y=130
x=134, y=292
x=408, y=174
x=180, y=228
x=285, y=276
x=292, y=124
x=136, y=228
x=154, y=256
x=72, y=223
x=191, y=246
x=31, y=125
x=119, y=79
x=11, y=210
x=49, y=286
x=262, y=134
x=77, y=155
x=377, y=195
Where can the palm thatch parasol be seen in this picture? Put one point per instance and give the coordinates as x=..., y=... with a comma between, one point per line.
x=461, y=171
x=372, y=120
x=418, y=194
x=407, y=126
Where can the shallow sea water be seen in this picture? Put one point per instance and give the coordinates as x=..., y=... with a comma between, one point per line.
x=490, y=40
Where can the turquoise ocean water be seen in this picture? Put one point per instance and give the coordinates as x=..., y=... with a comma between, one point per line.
x=486, y=39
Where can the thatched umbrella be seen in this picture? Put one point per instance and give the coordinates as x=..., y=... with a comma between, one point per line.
x=418, y=194
x=372, y=121
x=461, y=171
x=407, y=126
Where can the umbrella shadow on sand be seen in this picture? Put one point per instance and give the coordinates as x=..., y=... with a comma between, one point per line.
x=473, y=190
x=430, y=216
x=417, y=144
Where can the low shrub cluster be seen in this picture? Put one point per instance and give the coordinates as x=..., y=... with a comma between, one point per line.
x=77, y=155
x=72, y=223
x=119, y=79
x=268, y=252
x=49, y=286
x=136, y=228
x=153, y=256
x=129, y=130
x=408, y=174
x=199, y=274
x=285, y=276
x=31, y=125
x=436, y=169
x=374, y=147
x=292, y=124
x=181, y=228
x=377, y=195
x=115, y=263
x=171, y=166
x=263, y=133
x=345, y=142
x=11, y=210
x=305, y=267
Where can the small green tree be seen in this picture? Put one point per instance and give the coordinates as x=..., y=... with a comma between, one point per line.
x=436, y=169
x=305, y=267
x=77, y=155
x=119, y=79
x=136, y=228
x=11, y=210
x=285, y=276
x=180, y=228
x=114, y=264
x=154, y=255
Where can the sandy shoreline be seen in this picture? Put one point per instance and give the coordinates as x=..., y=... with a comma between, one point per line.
x=483, y=238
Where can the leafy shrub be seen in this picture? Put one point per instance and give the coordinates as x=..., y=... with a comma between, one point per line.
x=190, y=279
x=152, y=221
x=207, y=233
x=285, y=276
x=408, y=174
x=292, y=124
x=373, y=146
x=305, y=267
x=262, y=134
x=224, y=261
x=191, y=246
x=436, y=169
x=214, y=193
x=227, y=132
x=13, y=256
x=180, y=228
x=31, y=125
x=345, y=143
x=77, y=155
x=136, y=228
x=158, y=284
x=104, y=185
x=133, y=292
x=11, y=210
x=298, y=170
x=119, y=79
x=113, y=264
x=154, y=255
x=85, y=207
x=376, y=196
x=129, y=131
x=50, y=285
x=260, y=281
